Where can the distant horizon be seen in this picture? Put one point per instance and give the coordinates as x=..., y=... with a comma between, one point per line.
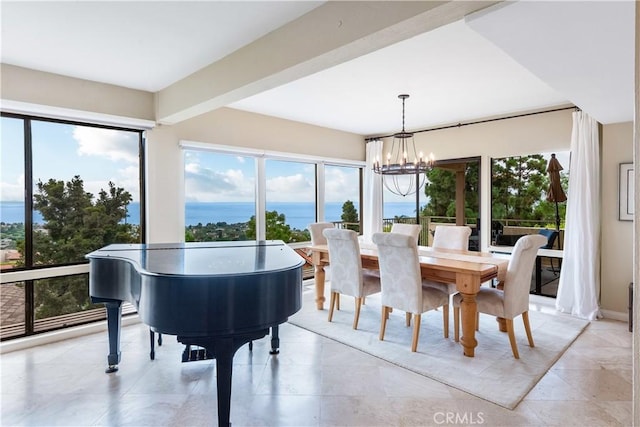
x=298, y=214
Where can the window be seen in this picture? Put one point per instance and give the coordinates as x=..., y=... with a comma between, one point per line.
x=268, y=195
x=68, y=188
x=519, y=205
x=290, y=200
x=219, y=196
x=342, y=196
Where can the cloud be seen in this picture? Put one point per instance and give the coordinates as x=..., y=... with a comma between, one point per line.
x=292, y=188
x=12, y=192
x=207, y=185
x=341, y=184
x=112, y=144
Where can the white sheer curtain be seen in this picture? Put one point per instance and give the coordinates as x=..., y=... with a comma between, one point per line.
x=372, y=192
x=580, y=275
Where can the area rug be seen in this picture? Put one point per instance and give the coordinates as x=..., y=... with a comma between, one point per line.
x=493, y=374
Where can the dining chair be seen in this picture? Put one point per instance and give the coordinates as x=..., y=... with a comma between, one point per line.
x=513, y=299
x=347, y=275
x=410, y=229
x=316, y=229
x=454, y=237
x=402, y=284
x=449, y=237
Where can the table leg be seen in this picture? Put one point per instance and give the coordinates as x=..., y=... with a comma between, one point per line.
x=468, y=310
x=319, y=278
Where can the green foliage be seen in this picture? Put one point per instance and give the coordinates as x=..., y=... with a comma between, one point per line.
x=74, y=226
x=350, y=215
x=440, y=190
x=518, y=190
x=220, y=231
x=277, y=227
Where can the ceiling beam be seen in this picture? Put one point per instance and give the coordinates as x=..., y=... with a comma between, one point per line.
x=329, y=35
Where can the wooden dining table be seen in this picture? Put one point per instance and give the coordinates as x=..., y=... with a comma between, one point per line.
x=467, y=269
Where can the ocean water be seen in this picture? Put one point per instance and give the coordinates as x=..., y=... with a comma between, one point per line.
x=298, y=215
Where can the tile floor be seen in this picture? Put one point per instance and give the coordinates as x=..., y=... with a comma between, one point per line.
x=312, y=382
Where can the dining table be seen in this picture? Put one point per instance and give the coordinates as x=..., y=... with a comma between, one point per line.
x=467, y=269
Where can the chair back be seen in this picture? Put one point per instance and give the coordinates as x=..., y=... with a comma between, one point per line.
x=345, y=262
x=451, y=237
x=518, y=279
x=409, y=229
x=551, y=236
x=399, y=271
x=316, y=229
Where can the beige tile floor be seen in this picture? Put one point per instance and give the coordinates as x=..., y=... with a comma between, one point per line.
x=312, y=382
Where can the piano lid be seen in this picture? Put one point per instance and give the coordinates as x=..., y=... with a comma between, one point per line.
x=205, y=258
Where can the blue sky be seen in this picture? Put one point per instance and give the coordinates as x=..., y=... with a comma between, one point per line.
x=62, y=151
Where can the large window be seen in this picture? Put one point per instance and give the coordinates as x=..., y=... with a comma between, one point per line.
x=67, y=189
x=244, y=194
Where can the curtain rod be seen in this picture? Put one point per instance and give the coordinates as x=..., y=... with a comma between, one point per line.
x=459, y=125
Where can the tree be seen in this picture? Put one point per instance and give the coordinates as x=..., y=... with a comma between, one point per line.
x=517, y=187
x=74, y=226
x=277, y=228
x=350, y=216
x=440, y=190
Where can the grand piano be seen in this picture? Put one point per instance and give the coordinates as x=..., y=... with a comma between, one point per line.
x=217, y=296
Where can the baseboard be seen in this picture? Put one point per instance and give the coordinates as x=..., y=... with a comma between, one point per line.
x=61, y=334
x=615, y=315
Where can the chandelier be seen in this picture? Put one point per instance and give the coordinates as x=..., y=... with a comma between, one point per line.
x=403, y=173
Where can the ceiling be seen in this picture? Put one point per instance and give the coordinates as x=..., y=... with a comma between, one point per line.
x=509, y=58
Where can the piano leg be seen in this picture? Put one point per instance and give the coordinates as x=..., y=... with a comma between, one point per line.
x=114, y=316
x=275, y=340
x=223, y=348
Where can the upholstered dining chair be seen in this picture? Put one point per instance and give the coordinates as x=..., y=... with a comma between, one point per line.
x=402, y=284
x=449, y=237
x=410, y=229
x=347, y=275
x=316, y=229
x=513, y=299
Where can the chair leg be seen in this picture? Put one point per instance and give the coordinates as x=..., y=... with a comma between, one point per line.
x=338, y=302
x=356, y=316
x=416, y=332
x=333, y=298
x=445, y=319
x=383, y=321
x=456, y=324
x=527, y=328
x=407, y=319
x=512, y=338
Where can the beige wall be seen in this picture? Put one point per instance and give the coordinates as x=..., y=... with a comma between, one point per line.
x=37, y=88
x=617, y=236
